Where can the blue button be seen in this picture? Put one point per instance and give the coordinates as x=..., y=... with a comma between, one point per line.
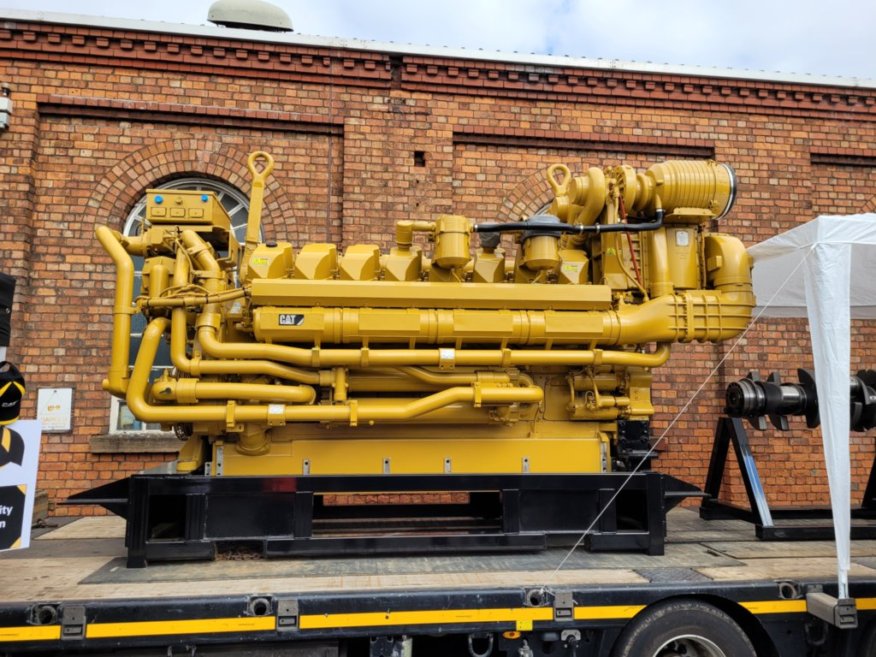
x=159, y=199
x=204, y=197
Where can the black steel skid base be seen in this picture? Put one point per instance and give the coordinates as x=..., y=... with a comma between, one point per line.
x=186, y=517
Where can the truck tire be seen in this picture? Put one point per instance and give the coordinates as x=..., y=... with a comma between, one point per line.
x=683, y=628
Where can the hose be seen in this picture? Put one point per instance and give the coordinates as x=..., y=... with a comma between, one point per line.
x=577, y=229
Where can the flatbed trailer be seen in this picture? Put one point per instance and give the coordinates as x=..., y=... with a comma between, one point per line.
x=71, y=592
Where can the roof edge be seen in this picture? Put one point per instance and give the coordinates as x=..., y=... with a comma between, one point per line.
x=298, y=39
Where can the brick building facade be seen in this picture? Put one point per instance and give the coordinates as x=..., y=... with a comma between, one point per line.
x=364, y=135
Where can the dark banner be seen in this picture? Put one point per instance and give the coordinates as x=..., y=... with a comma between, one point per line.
x=7, y=292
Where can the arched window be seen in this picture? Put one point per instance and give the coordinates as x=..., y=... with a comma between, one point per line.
x=237, y=206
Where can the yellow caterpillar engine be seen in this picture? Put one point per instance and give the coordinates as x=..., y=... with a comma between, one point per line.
x=440, y=365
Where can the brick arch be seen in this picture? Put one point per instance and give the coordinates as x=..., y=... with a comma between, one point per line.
x=526, y=198
x=870, y=206
x=531, y=194
x=125, y=183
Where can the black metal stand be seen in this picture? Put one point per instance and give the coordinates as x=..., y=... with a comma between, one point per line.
x=177, y=517
x=731, y=431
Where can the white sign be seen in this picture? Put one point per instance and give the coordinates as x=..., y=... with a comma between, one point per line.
x=55, y=409
x=19, y=460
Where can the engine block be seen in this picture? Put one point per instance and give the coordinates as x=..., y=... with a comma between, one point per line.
x=434, y=357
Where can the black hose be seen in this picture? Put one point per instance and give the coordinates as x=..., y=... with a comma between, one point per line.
x=567, y=228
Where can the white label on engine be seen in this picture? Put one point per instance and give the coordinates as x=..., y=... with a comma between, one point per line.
x=682, y=238
x=290, y=319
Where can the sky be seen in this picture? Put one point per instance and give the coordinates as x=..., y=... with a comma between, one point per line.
x=836, y=38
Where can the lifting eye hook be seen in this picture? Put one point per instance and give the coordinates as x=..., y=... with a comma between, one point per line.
x=559, y=187
x=267, y=163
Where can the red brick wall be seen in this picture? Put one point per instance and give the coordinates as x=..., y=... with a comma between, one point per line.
x=102, y=115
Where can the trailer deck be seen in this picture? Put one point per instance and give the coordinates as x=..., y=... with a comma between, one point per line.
x=72, y=590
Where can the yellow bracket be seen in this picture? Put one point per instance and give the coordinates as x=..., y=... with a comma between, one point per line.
x=256, y=203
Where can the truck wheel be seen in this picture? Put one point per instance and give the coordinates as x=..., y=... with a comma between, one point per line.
x=683, y=628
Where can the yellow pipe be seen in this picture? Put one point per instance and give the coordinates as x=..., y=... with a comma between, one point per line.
x=701, y=315
x=117, y=377
x=197, y=248
x=189, y=301
x=181, y=271
x=388, y=380
x=658, y=264
x=198, y=367
x=136, y=244
x=669, y=318
x=209, y=322
x=401, y=379
x=340, y=384
x=190, y=391
x=362, y=358
x=355, y=412
x=392, y=380
x=452, y=379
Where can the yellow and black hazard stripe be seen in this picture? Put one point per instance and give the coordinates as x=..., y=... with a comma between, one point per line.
x=134, y=629
x=30, y=633
x=522, y=619
x=194, y=627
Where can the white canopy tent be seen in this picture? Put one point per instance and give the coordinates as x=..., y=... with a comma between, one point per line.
x=825, y=270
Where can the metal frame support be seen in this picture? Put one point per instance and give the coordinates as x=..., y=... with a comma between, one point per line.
x=188, y=517
x=731, y=431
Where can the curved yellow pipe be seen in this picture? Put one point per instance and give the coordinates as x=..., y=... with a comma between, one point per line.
x=453, y=378
x=697, y=315
x=182, y=271
x=136, y=244
x=392, y=379
x=355, y=412
x=117, y=377
x=198, y=367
